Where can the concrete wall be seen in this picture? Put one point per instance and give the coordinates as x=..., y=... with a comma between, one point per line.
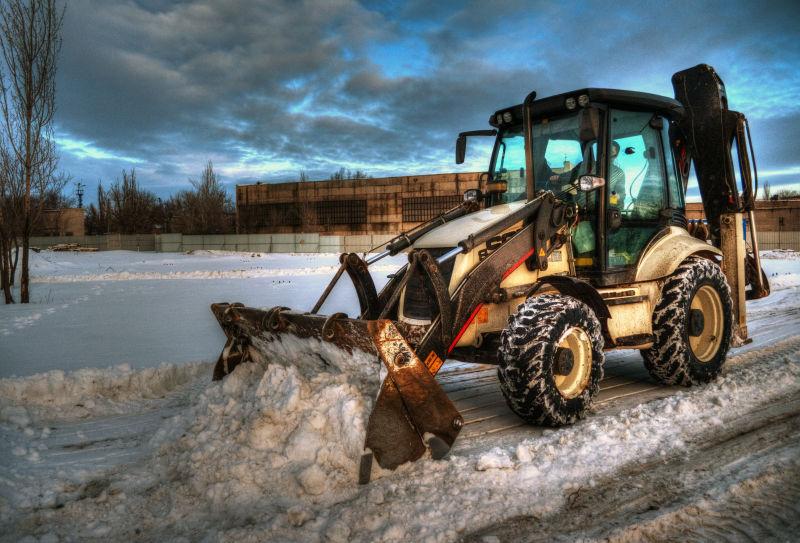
x=291, y=243
x=256, y=243
x=777, y=222
x=771, y=215
x=779, y=240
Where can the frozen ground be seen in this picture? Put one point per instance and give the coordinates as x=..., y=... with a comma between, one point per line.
x=144, y=448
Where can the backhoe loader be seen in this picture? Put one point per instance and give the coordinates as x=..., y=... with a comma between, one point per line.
x=575, y=244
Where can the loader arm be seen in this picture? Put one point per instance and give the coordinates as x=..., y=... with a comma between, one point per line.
x=711, y=131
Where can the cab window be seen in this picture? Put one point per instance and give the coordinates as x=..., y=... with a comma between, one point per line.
x=636, y=186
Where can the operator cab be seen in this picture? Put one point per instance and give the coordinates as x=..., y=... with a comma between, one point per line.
x=622, y=141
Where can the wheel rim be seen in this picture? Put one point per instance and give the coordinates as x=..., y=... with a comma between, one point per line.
x=706, y=340
x=580, y=346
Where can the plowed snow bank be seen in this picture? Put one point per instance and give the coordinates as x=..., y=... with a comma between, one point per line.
x=291, y=425
x=56, y=395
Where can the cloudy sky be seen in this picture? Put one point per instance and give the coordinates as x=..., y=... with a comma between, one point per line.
x=266, y=89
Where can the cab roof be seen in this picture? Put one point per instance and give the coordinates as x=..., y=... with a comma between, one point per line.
x=631, y=100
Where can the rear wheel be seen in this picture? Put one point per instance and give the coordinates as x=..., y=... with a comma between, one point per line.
x=691, y=325
x=551, y=360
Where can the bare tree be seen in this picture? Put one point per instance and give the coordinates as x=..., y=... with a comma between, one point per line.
x=131, y=209
x=30, y=40
x=343, y=173
x=787, y=194
x=22, y=209
x=766, y=191
x=97, y=219
x=10, y=203
x=206, y=209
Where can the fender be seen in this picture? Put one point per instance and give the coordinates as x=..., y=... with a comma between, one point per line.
x=666, y=251
x=580, y=290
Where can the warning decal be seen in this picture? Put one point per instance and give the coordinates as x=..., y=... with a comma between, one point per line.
x=433, y=362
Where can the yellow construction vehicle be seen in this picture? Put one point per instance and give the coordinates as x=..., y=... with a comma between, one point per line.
x=576, y=243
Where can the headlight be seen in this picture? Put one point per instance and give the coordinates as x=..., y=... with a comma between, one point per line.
x=473, y=195
x=583, y=100
x=570, y=103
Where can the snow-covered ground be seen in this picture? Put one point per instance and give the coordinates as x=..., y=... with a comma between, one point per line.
x=112, y=431
x=143, y=309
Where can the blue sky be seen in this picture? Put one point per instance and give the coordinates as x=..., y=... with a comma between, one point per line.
x=267, y=89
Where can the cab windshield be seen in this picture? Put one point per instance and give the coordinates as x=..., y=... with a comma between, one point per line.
x=559, y=158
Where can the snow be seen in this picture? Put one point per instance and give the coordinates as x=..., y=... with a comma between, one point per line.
x=90, y=391
x=99, y=449
x=92, y=317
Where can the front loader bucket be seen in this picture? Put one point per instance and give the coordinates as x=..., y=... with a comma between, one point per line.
x=411, y=413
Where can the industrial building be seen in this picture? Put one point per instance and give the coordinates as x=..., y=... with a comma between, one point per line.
x=351, y=206
x=60, y=222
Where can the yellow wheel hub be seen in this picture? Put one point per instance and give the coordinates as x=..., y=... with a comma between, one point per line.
x=575, y=363
x=706, y=322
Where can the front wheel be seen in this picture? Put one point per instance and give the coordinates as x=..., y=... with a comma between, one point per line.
x=692, y=325
x=551, y=360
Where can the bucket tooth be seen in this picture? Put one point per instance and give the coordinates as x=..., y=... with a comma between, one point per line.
x=412, y=411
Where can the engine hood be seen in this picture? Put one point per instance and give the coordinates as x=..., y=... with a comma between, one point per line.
x=449, y=234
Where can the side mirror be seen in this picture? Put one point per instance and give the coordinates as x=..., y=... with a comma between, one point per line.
x=461, y=142
x=473, y=195
x=461, y=148
x=588, y=183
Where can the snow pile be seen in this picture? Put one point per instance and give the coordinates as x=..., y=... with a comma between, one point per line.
x=285, y=431
x=56, y=395
x=780, y=254
x=271, y=453
x=782, y=268
x=537, y=476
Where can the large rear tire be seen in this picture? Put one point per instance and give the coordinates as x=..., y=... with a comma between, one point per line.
x=551, y=360
x=692, y=325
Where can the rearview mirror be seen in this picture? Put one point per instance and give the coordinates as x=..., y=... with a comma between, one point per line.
x=461, y=148
x=588, y=183
x=461, y=142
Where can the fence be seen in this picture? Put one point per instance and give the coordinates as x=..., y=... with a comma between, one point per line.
x=291, y=243
x=779, y=240
x=107, y=242
x=261, y=243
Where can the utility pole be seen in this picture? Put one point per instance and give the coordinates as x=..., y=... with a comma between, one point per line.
x=79, y=188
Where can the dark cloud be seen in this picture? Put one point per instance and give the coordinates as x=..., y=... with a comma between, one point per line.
x=267, y=88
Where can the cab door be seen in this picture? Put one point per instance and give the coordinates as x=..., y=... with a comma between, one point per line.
x=637, y=194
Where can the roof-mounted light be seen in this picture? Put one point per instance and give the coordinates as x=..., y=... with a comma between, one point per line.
x=499, y=119
x=583, y=100
x=507, y=116
x=570, y=103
